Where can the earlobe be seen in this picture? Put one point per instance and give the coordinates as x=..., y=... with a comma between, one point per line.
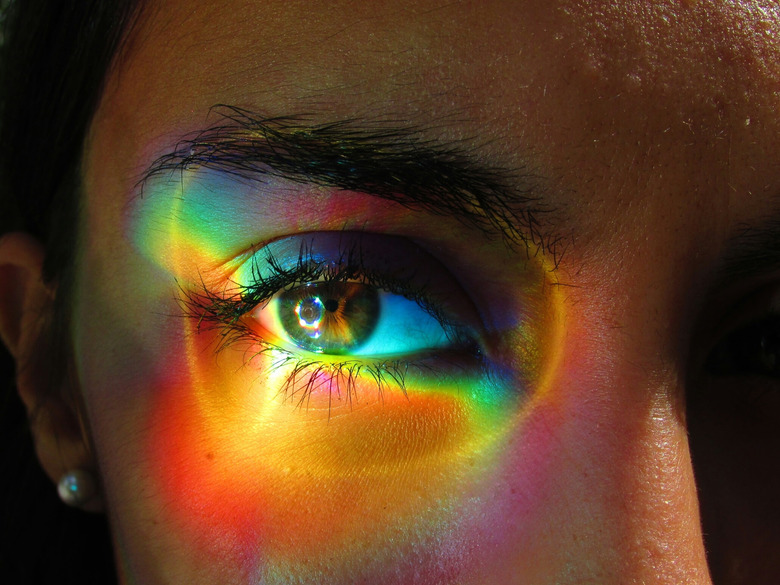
x=26, y=310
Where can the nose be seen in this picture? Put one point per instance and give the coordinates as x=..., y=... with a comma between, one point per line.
x=631, y=489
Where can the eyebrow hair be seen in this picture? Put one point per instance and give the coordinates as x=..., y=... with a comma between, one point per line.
x=753, y=249
x=378, y=159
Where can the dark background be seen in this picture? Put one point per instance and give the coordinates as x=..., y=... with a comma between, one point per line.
x=41, y=540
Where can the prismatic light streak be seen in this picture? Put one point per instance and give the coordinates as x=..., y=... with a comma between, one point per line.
x=276, y=473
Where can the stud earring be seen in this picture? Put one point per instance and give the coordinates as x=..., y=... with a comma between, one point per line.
x=76, y=487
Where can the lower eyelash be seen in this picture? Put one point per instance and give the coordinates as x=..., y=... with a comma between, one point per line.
x=304, y=377
x=340, y=379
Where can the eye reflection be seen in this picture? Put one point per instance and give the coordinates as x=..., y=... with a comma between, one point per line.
x=329, y=317
x=310, y=313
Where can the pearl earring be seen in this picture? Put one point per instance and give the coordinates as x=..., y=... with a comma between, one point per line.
x=76, y=487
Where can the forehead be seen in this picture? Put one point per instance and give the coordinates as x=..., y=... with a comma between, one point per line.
x=591, y=89
x=255, y=48
x=239, y=43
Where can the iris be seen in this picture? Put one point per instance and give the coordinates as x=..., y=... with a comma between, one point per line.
x=329, y=317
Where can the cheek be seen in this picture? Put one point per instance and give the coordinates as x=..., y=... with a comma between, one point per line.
x=215, y=454
x=298, y=472
x=330, y=477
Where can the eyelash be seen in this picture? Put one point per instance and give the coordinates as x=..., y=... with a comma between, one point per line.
x=225, y=312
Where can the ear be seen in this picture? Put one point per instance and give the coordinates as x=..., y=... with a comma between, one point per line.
x=26, y=305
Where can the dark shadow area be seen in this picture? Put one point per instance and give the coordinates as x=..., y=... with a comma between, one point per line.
x=42, y=541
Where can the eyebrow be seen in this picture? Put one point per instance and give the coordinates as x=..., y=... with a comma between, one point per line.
x=376, y=158
x=752, y=250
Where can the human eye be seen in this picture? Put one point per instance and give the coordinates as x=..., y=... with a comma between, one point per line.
x=332, y=307
x=747, y=347
x=349, y=318
x=345, y=381
x=751, y=350
x=733, y=413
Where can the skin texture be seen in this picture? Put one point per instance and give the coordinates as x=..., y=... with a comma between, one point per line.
x=654, y=127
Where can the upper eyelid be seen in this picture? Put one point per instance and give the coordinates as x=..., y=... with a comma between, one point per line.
x=329, y=256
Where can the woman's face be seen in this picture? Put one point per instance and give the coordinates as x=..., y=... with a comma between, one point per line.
x=438, y=293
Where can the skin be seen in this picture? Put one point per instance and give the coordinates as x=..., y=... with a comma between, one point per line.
x=656, y=129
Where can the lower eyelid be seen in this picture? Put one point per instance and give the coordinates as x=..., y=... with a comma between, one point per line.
x=460, y=360
x=308, y=380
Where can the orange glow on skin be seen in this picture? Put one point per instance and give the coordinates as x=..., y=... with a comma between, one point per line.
x=337, y=477
x=374, y=448
x=329, y=480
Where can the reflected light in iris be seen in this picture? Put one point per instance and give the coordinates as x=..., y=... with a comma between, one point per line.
x=313, y=311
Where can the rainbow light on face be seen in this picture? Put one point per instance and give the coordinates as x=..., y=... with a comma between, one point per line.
x=338, y=471
x=189, y=220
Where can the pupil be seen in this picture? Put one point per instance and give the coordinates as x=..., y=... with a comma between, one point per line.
x=332, y=305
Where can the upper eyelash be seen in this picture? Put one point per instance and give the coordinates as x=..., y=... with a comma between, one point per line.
x=224, y=312
x=227, y=309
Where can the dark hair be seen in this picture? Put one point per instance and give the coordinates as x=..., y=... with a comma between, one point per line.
x=54, y=58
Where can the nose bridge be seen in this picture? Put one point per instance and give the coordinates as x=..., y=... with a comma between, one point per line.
x=661, y=525
x=620, y=402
